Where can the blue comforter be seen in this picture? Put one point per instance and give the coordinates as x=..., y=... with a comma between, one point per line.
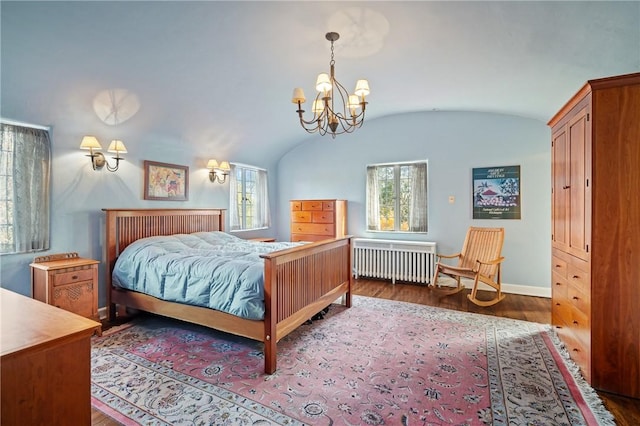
x=210, y=269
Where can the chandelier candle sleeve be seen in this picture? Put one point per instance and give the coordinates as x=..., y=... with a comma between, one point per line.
x=335, y=111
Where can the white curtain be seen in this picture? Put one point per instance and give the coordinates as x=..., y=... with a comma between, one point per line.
x=418, y=207
x=24, y=188
x=262, y=212
x=234, y=206
x=373, y=199
x=260, y=199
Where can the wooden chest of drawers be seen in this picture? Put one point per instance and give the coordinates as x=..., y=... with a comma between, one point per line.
x=315, y=220
x=67, y=281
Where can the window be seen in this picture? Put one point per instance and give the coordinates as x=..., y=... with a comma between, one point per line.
x=397, y=197
x=249, y=198
x=24, y=188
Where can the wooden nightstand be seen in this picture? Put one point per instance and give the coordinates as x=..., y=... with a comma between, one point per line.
x=263, y=239
x=67, y=281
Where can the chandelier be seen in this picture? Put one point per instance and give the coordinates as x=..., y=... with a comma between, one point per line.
x=334, y=110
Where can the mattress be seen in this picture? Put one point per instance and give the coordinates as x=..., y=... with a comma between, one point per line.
x=210, y=269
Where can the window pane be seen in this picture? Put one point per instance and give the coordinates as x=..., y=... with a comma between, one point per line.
x=250, y=190
x=387, y=202
x=396, y=197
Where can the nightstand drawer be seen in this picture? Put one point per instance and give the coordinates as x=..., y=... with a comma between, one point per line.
x=77, y=298
x=71, y=277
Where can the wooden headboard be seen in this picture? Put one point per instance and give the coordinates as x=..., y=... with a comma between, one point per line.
x=126, y=226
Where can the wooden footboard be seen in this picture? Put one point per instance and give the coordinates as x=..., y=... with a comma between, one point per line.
x=299, y=282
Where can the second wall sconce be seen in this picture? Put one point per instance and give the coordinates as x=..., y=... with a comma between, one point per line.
x=98, y=160
x=217, y=171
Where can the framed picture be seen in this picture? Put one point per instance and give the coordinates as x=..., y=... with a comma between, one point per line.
x=496, y=192
x=163, y=181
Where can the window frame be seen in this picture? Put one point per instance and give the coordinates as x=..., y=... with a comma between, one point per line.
x=242, y=208
x=397, y=177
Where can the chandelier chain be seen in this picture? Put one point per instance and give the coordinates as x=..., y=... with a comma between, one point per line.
x=332, y=62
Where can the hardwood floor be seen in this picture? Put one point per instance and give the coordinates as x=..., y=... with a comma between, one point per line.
x=536, y=309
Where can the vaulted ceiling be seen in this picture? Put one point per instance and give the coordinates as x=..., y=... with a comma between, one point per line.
x=218, y=76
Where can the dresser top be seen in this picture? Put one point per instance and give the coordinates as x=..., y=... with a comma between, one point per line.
x=27, y=324
x=64, y=263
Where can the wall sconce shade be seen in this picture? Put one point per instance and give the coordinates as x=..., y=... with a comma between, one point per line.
x=98, y=160
x=217, y=171
x=117, y=146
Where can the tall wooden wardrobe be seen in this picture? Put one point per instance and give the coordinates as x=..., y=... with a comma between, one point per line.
x=596, y=231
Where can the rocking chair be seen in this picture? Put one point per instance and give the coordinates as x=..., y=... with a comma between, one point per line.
x=479, y=260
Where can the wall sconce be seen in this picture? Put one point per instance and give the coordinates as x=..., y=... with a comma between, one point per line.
x=98, y=161
x=218, y=172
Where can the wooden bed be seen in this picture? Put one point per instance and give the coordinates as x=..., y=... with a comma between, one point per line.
x=298, y=282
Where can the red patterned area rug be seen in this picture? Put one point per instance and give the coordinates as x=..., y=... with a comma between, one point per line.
x=380, y=362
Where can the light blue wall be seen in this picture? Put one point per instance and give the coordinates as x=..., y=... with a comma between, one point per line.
x=78, y=195
x=319, y=167
x=453, y=143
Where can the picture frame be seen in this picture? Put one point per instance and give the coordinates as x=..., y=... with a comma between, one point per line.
x=165, y=181
x=496, y=192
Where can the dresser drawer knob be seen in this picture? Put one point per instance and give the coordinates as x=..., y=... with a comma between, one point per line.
x=575, y=322
x=575, y=277
x=576, y=350
x=576, y=298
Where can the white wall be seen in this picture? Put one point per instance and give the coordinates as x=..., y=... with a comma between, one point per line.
x=453, y=143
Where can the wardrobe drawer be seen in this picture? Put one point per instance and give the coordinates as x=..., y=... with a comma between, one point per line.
x=578, y=351
x=580, y=300
x=559, y=266
x=71, y=277
x=561, y=313
x=312, y=228
x=578, y=277
x=559, y=286
x=322, y=217
x=580, y=325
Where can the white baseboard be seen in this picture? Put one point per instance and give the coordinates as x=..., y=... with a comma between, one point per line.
x=102, y=313
x=524, y=290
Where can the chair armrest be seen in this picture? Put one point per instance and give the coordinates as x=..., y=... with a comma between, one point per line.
x=448, y=256
x=491, y=262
